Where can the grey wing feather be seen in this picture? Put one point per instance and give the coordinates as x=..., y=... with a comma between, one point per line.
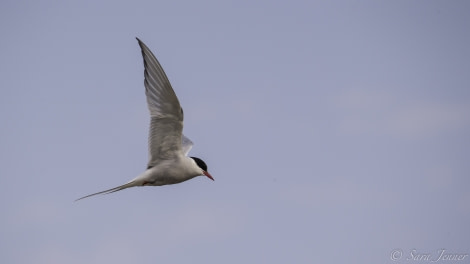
x=166, y=123
x=186, y=144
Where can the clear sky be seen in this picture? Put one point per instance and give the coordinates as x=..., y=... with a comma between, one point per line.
x=336, y=131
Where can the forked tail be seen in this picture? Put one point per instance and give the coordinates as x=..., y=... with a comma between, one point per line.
x=115, y=189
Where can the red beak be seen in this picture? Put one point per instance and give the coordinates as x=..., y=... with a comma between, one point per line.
x=208, y=175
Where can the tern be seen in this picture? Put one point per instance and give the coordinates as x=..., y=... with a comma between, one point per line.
x=168, y=147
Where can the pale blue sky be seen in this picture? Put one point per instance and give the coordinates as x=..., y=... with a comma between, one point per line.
x=336, y=131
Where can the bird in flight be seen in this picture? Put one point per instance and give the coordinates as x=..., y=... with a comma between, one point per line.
x=168, y=147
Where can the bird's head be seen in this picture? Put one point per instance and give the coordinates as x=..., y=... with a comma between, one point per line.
x=201, y=164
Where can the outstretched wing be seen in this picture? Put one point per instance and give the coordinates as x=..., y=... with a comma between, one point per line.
x=166, y=115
